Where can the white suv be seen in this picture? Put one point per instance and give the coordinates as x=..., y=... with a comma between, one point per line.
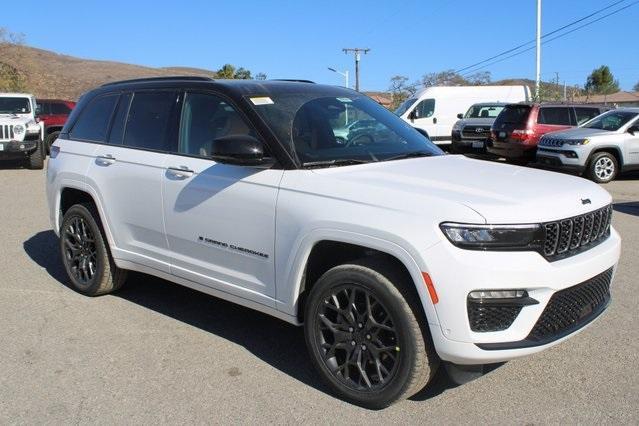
x=600, y=148
x=393, y=255
x=20, y=132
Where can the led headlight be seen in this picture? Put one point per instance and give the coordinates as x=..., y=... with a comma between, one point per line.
x=494, y=237
x=576, y=141
x=18, y=129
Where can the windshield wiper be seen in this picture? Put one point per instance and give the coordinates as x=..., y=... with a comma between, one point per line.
x=336, y=162
x=413, y=154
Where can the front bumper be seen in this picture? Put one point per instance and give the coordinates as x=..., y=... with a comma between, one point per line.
x=477, y=146
x=453, y=338
x=560, y=159
x=17, y=149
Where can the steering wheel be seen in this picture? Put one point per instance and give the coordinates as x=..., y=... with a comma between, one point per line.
x=358, y=140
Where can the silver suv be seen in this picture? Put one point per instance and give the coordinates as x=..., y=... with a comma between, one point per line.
x=600, y=148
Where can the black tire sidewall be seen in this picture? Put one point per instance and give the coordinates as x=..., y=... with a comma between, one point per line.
x=591, y=167
x=82, y=211
x=36, y=159
x=50, y=138
x=406, y=341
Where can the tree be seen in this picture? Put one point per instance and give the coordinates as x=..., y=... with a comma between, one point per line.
x=636, y=87
x=399, y=90
x=11, y=80
x=227, y=71
x=452, y=78
x=601, y=81
x=260, y=76
x=479, y=78
x=242, y=74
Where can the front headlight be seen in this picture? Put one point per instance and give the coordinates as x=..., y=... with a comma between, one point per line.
x=576, y=142
x=494, y=237
x=18, y=129
x=456, y=127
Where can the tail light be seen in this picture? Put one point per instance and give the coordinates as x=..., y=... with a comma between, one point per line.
x=521, y=134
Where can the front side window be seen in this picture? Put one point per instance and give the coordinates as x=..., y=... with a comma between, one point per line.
x=207, y=117
x=310, y=125
x=10, y=105
x=149, y=120
x=405, y=106
x=425, y=108
x=611, y=120
x=93, y=123
x=559, y=116
x=484, y=111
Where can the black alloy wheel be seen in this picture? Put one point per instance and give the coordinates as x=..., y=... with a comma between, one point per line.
x=80, y=252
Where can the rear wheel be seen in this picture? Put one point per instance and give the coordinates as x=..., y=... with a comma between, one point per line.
x=36, y=159
x=369, y=344
x=602, y=167
x=85, y=254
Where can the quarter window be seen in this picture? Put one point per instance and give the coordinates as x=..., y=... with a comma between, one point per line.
x=206, y=117
x=149, y=120
x=93, y=123
x=556, y=116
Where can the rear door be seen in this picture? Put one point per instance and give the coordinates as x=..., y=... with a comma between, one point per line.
x=127, y=174
x=220, y=219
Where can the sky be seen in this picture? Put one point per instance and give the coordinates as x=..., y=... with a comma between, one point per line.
x=301, y=39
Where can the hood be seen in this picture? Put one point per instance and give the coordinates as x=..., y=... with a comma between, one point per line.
x=15, y=118
x=476, y=122
x=580, y=133
x=500, y=193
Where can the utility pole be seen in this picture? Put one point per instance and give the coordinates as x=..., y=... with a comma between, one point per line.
x=357, y=51
x=538, y=74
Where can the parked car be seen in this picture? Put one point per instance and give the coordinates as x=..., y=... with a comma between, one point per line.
x=53, y=113
x=600, y=148
x=471, y=133
x=434, y=110
x=20, y=133
x=393, y=256
x=517, y=129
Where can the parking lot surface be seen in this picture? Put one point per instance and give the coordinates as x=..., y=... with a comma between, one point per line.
x=156, y=352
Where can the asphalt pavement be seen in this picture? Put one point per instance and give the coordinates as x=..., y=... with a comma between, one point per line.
x=157, y=352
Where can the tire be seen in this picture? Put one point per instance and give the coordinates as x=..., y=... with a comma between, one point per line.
x=409, y=364
x=85, y=253
x=602, y=167
x=48, y=141
x=36, y=159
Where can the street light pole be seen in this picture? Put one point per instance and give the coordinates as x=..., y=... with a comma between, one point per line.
x=344, y=74
x=538, y=72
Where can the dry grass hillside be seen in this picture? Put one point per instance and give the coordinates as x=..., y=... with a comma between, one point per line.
x=50, y=75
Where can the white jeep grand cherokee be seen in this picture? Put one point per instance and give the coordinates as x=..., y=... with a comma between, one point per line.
x=394, y=256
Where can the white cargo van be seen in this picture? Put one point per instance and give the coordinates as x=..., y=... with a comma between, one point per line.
x=434, y=110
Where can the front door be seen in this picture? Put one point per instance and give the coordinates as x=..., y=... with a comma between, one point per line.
x=220, y=219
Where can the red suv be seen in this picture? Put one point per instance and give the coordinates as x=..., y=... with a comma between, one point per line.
x=53, y=113
x=517, y=129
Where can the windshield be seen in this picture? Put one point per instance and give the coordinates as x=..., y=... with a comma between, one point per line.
x=483, y=111
x=611, y=120
x=14, y=106
x=405, y=105
x=341, y=129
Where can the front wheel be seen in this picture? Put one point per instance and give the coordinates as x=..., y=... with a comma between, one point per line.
x=369, y=344
x=36, y=159
x=602, y=167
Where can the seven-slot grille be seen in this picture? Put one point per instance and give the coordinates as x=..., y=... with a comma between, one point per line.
x=568, y=309
x=472, y=132
x=570, y=236
x=548, y=141
x=6, y=131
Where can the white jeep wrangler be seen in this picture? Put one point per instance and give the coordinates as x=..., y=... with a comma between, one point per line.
x=20, y=132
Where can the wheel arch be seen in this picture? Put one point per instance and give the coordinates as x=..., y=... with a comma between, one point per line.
x=319, y=253
x=609, y=149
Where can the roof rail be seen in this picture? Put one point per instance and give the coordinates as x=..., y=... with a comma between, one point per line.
x=169, y=78
x=296, y=80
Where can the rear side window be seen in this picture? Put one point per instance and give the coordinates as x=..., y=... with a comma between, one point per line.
x=559, y=116
x=60, y=108
x=513, y=114
x=585, y=114
x=43, y=108
x=117, y=128
x=93, y=123
x=149, y=119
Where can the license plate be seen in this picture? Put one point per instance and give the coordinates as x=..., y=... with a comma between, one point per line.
x=478, y=144
x=502, y=134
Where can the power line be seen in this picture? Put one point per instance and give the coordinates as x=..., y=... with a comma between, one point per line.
x=551, y=39
x=543, y=36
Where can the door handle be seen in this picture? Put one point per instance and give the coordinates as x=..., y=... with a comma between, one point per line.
x=105, y=160
x=181, y=172
x=434, y=120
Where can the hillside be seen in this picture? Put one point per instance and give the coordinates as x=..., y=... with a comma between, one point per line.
x=50, y=75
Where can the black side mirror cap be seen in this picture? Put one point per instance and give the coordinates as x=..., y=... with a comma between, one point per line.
x=413, y=115
x=633, y=129
x=460, y=115
x=240, y=150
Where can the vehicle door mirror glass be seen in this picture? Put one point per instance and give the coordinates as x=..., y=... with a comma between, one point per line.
x=241, y=150
x=633, y=130
x=414, y=114
x=460, y=115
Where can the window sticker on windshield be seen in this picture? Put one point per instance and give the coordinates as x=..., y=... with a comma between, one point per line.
x=344, y=100
x=262, y=100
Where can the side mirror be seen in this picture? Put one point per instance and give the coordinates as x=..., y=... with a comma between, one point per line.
x=413, y=115
x=460, y=115
x=240, y=150
x=633, y=129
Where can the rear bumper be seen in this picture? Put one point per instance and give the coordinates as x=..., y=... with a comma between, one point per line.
x=513, y=150
x=17, y=149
